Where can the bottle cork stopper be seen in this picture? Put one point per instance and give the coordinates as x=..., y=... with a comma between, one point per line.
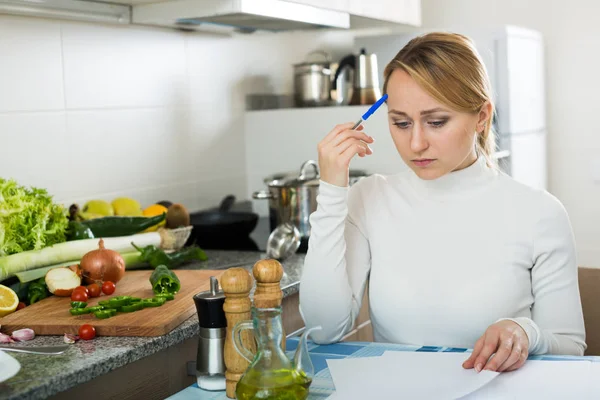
x=268, y=294
x=237, y=284
x=268, y=274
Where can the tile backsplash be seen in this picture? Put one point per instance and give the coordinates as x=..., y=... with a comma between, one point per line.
x=96, y=111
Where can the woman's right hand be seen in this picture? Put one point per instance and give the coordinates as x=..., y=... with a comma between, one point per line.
x=337, y=149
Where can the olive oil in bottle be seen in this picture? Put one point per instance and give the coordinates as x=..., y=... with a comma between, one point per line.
x=273, y=385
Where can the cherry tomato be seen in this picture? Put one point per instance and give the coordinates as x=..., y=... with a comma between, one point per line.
x=108, y=287
x=94, y=290
x=81, y=289
x=79, y=295
x=87, y=332
x=21, y=306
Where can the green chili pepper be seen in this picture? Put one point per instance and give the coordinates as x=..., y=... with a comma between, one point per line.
x=133, y=307
x=113, y=226
x=155, y=256
x=95, y=308
x=167, y=296
x=103, y=314
x=153, y=302
x=164, y=281
x=78, y=304
x=77, y=231
x=135, y=300
x=37, y=291
x=79, y=311
x=119, y=301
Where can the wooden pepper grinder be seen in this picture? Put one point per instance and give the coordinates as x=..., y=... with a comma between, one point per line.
x=268, y=294
x=237, y=284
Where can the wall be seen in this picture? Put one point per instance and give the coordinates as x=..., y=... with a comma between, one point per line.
x=571, y=35
x=93, y=111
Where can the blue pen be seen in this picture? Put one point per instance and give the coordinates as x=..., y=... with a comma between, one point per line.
x=371, y=110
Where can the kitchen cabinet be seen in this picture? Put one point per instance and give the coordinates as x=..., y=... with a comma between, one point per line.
x=370, y=14
x=229, y=16
x=338, y=5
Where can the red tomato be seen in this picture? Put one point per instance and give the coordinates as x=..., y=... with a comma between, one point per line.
x=87, y=332
x=79, y=295
x=81, y=289
x=108, y=287
x=20, y=306
x=94, y=290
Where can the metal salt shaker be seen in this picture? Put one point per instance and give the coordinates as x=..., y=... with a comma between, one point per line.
x=210, y=364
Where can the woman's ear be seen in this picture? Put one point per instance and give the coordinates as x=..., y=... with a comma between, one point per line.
x=485, y=115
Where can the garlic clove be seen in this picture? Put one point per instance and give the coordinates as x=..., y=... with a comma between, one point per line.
x=70, y=338
x=5, y=338
x=23, y=335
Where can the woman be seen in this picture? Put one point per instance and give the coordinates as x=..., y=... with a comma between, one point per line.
x=456, y=252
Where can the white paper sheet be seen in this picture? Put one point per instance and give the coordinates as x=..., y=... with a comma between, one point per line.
x=594, y=381
x=414, y=375
x=540, y=380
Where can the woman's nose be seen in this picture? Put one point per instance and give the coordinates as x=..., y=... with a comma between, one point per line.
x=418, y=143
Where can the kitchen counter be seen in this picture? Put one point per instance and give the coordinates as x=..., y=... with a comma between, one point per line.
x=44, y=376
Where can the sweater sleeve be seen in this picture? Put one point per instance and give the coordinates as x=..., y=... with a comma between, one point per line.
x=336, y=265
x=556, y=325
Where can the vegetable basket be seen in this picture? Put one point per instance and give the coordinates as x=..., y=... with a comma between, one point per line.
x=179, y=236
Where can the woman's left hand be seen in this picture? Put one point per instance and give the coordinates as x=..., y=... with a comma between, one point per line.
x=507, y=340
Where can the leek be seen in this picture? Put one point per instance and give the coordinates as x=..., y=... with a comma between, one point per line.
x=75, y=250
x=133, y=260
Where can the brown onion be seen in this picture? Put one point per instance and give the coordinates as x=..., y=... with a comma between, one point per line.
x=61, y=281
x=102, y=265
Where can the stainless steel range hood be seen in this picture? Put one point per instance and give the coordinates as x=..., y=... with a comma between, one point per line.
x=240, y=15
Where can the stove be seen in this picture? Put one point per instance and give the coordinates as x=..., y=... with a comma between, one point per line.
x=256, y=241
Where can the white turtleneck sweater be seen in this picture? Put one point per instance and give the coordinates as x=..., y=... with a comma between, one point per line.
x=445, y=259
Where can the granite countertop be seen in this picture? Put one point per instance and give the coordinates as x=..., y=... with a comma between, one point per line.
x=44, y=376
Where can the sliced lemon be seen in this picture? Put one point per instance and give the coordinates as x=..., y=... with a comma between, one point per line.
x=8, y=301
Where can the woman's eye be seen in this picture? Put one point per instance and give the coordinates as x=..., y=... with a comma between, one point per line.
x=438, y=123
x=402, y=124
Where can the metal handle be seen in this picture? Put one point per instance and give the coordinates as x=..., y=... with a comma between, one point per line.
x=237, y=339
x=307, y=164
x=262, y=195
x=325, y=54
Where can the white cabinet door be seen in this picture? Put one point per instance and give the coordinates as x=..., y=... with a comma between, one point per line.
x=520, y=81
x=400, y=11
x=338, y=5
x=366, y=13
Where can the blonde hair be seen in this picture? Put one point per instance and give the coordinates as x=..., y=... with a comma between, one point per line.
x=449, y=68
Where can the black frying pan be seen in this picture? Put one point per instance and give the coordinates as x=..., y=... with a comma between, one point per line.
x=220, y=224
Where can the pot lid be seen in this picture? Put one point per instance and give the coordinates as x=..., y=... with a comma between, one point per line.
x=308, y=176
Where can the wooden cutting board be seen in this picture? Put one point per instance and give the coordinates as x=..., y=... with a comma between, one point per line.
x=51, y=316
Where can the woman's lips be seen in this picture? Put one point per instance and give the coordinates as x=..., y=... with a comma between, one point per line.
x=423, y=162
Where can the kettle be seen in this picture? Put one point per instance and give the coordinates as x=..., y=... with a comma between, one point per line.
x=365, y=89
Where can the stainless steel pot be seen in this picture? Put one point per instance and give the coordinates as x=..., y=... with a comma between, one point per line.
x=293, y=197
x=312, y=82
x=322, y=83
